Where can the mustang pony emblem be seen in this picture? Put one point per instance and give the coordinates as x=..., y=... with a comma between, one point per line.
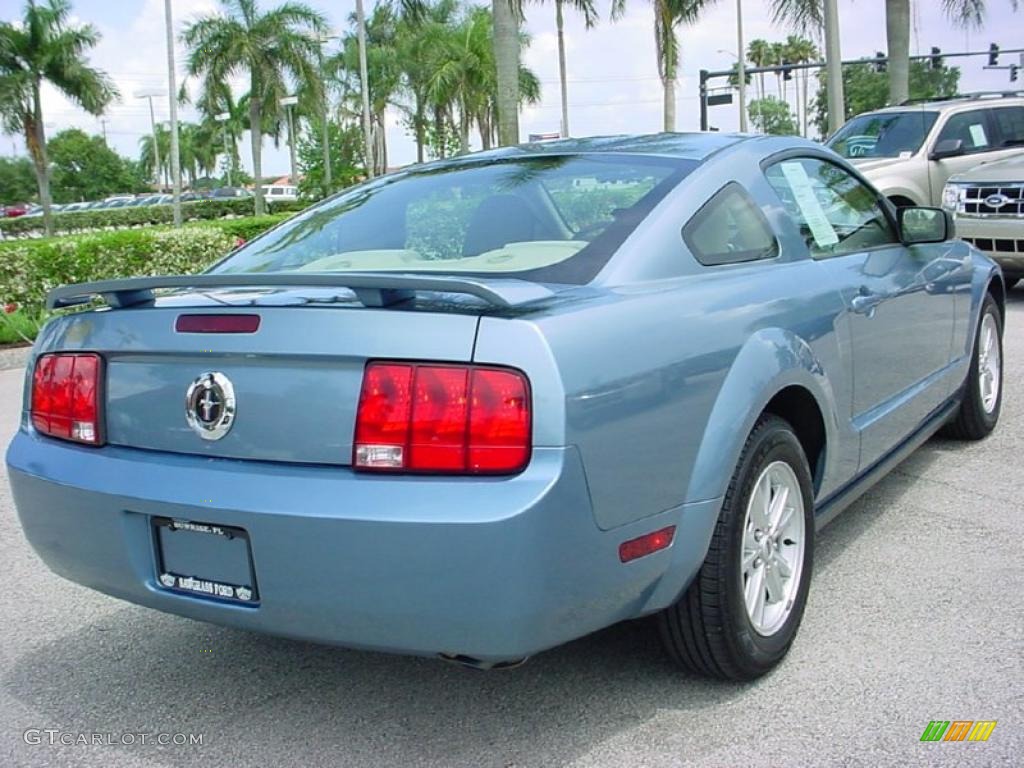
x=210, y=405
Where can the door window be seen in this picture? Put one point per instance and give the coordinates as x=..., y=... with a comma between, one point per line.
x=834, y=211
x=971, y=128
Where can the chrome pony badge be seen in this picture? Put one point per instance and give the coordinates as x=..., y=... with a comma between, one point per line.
x=210, y=405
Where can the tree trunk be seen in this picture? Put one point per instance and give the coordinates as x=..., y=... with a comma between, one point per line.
x=668, y=85
x=506, y=56
x=35, y=141
x=256, y=131
x=559, y=23
x=463, y=131
x=380, y=148
x=421, y=119
x=897, y=35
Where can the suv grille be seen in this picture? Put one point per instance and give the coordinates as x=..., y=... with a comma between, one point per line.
x=991, y=200
x=997, y=245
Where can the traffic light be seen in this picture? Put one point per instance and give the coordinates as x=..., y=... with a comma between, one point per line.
x=1013, y=72
x=993, y=55
x=881, y=65
x=787, y=72
x=936, y=58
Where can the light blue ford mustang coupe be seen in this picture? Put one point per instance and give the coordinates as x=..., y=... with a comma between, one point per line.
x=488, y=405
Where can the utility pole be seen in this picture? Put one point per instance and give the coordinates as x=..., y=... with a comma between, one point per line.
x=288, y=102
x=103, y=127
x=156, y=140
x=741, y=66
x=833, y=67
x=364, y=86
x=172, y=90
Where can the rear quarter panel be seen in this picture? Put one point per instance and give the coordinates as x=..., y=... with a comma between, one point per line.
x=658, y=381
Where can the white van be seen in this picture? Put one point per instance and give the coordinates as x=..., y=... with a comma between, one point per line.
x=280, y=193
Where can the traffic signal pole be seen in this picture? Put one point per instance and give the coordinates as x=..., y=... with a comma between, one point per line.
x=936, y=58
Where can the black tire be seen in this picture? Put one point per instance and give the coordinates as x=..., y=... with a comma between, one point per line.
x=708, y=629
x=972, y=421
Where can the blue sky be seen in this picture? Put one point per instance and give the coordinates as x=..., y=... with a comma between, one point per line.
x=613, y=85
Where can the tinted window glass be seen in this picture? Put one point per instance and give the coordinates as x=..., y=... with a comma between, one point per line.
x=1010, y=121
x=834, y=211
x=728, y=229
x=883, y=134
x=549, y=218
x=971, y=128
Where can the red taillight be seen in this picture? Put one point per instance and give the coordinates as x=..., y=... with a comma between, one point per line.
x=65, y=396
x=646, y=544
x=442, y=418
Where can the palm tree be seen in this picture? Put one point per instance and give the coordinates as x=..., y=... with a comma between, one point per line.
x=759, y=53
x=384, y=74
x=586, y=7
x=277, y=49
x=669, y=15
x=801, y=50
x=47, y=47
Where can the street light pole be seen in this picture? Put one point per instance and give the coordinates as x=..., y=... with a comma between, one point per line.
x=229, y=156
x=364, y=86
x=172, y=89
x=833, y=67
x=288, y=102
x=741, y=67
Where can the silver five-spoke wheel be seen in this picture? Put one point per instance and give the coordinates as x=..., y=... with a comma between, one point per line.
x=989, y=363
x=773, y=547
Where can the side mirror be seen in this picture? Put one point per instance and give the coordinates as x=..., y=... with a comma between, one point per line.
x=947, y=148
x=925, y=225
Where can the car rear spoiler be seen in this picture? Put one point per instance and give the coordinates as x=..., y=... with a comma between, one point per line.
x=373, y=289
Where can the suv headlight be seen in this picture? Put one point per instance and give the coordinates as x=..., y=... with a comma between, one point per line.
x=950, y=197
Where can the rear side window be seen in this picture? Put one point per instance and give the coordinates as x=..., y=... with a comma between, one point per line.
x=1010, y=122
x=730, y=229
x=971, y=128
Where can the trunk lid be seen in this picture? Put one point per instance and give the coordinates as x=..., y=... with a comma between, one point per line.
x=296, y=380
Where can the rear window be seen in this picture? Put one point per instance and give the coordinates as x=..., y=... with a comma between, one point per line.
x=548, y=218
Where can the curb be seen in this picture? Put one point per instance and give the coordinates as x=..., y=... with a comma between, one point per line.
x=14, y=358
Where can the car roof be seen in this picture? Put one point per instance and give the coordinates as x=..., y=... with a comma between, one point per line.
x=977, y=101
x=686, y=146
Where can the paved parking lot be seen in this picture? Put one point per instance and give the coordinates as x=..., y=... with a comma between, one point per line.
x=916, y=614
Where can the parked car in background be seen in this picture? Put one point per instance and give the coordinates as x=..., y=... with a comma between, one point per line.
x=988, y=204
x=15, y=209
x=473, y=410
x=147, y=200
x=280, y=192
x=221, y=193
x=909, y=151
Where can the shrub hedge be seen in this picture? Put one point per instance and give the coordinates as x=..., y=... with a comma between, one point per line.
x=120, y=218
x=31, y=268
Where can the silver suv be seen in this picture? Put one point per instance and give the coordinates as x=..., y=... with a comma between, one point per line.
x=910, y=151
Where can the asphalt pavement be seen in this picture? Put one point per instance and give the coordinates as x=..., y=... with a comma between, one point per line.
x=916, y=614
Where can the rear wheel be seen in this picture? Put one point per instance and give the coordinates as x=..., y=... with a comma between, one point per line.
x=983, y=391
x=740, y=615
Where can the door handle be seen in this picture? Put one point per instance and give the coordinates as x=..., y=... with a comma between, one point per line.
x=865, y=301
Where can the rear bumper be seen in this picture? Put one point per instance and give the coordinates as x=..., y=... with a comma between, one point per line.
x=494, y=569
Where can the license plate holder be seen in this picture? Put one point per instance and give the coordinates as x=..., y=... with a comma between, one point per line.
x=204, y=560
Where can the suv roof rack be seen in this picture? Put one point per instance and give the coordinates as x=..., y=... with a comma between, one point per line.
x=966, y=96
